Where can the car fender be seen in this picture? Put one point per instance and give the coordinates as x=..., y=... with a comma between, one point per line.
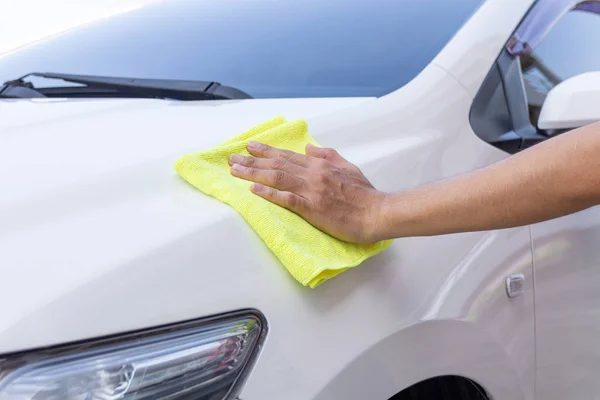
x=436, y=348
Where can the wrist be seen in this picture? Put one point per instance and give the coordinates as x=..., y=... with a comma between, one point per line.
x=396, y=216
x=375, y=224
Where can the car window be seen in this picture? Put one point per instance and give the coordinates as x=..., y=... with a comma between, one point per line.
x=568, y=49
x=555, y=40
x=267, y=48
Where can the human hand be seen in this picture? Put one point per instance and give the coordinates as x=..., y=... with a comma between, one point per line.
x=322, y=187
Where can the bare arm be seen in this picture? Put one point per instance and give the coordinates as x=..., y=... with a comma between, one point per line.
x=552, y=179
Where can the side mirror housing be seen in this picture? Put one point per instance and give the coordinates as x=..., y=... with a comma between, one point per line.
x=573, y=103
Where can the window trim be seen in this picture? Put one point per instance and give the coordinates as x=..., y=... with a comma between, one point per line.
x=540, y=20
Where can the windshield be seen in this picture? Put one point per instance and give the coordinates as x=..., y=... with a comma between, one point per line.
x=267, y=48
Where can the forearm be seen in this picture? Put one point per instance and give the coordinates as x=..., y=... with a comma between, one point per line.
x=552, y=179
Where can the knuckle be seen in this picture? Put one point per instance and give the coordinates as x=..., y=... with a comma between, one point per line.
x=329, y=153
x=287, y=155
x=279, y=176
x=249, y=161
x=278, y=163
x=290, y=200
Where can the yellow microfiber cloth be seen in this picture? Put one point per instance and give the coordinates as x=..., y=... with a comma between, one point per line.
x=310, y=255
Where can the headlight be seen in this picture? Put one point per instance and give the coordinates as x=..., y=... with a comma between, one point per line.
x=195, y=360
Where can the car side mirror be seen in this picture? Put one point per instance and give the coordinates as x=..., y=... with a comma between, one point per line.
x=572, y=103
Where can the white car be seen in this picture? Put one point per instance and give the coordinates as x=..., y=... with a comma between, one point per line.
x=118, y=280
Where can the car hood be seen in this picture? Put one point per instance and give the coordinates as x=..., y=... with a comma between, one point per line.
x=99, y=235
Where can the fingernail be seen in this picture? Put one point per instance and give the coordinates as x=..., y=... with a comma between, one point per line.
x=235, y=159
x=237, y=167
x=256, y=187
x=253, y=145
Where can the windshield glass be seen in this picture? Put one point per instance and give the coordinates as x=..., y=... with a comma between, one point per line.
x=267, y=48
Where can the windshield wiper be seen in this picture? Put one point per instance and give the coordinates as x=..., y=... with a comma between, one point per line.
x=105, y=86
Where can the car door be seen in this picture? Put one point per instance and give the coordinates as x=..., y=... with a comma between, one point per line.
x=557, y=40
x=566, y=251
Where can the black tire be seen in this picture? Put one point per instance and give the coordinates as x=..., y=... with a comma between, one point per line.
x=443, y=388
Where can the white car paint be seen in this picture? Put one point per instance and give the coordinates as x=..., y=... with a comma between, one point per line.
x=98, y=236
x=572, y=103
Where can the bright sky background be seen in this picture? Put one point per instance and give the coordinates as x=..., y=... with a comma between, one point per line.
x=25, y=21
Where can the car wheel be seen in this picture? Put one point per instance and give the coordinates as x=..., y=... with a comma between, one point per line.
x=443, y=388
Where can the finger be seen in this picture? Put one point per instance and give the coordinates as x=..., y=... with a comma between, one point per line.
x=288, y=200
x=274, y=178
x=265, y=151
x=330, y=155
x=281, y=164
x=325, y=153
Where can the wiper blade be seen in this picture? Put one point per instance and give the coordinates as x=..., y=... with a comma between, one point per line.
x=105, y=86
x=20, y=90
